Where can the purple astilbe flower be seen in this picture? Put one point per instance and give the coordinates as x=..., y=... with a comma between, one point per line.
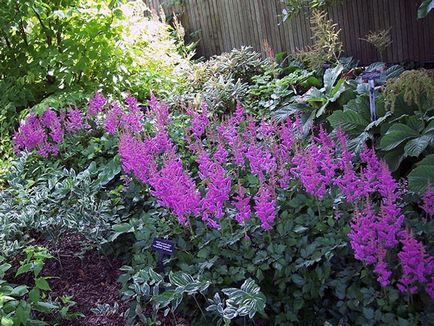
x=315, y=169
x=266, y=129
x=160, y=111
x=372, y=170
x=238, y=149
x=200, y=121
x=363, y=236
x=74, y=120
x=112, y=119
x=261, y=161
x=51, y=121
x=381, y=268
x=162, y=143
x=350, y=184
x=287, y=139
x=136, y=156
x=428, y=201
x=218, y=187
x=96, y=105
x=390, y=223
x=387, y=185
x=221, y=154
x=131, y=120
x=205, y=164
x=238, y=115
x=175, y=190
x=32, y=135
x=265, y=206
x=417, y=265
x=242, y=203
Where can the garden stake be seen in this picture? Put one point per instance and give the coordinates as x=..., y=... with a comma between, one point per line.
x=370, y=77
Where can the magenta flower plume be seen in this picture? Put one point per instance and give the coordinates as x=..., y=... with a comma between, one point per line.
x=417, y=266
x=265, y=206
x=74, y=120
x=199, y=120
x=428, y=201
x=218, y=187
x=113, y=118
x=96, y=105
x=136, y=156
x=175, y=190
x=242, y=203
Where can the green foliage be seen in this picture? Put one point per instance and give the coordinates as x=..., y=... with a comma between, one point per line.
x=147, y=286
x=61, y=51
x=20, y=304
x=414, y=87
x=223, y=80
x=326, y=47
x=304, y=268
x=50, y=199
x=294, y=7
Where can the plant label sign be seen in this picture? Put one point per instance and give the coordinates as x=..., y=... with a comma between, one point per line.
x=165, y=247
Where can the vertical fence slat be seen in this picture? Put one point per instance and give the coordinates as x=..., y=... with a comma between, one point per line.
x=226, y=24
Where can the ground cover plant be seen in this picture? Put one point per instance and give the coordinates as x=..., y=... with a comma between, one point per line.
x=321, y=231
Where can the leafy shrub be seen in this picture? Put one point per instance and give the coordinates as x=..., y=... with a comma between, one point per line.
x=53, y=200
x=326, y=47
x=223, y=80
x=59, y=53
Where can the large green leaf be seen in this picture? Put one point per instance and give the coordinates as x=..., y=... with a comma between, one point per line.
x=416, y=146
x=422, y=175
x=397, y=134
x=331, y=75
x=394, y=158
x=350, y=121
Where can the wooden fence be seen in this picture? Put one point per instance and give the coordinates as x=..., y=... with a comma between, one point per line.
x=222, y=25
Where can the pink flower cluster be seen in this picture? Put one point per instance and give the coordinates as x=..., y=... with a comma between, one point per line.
x=268, y=156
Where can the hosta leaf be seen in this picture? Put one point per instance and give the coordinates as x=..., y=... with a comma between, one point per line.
x=396, y=134
x=180, y=279
x=394, y=159
x=429, y=128
x=350, y=121
x=423, y=174
x=415, y=123
x=331, y=75
x=416, y=146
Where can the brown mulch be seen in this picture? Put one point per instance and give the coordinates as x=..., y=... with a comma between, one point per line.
x=90, y=280
x=89, y=277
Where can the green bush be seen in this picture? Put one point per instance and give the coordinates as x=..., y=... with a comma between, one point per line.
x=59, y=52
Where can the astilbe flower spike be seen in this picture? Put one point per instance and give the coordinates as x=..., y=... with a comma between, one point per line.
x=175, y=190
x=242, y=203
x=428, y=201
x=265, y=206
x=96, y=105
x=74, y=120
x=417, y=266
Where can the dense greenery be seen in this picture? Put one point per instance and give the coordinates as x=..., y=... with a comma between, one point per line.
x=60, y=52
x=262, y=172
